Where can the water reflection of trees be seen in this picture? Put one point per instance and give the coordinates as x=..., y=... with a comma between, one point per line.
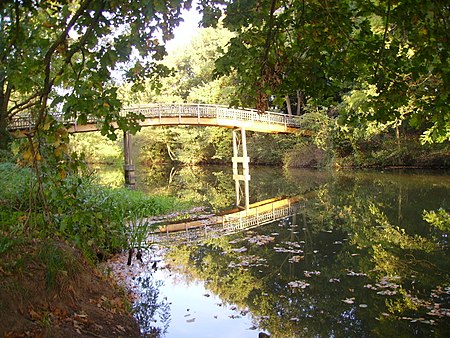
x=214, y=186
x=373, y=266
x=151, y=312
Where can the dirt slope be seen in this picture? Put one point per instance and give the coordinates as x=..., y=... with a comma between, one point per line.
x=48, y=290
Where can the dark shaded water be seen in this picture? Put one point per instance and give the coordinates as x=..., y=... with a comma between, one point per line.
x=366, y=256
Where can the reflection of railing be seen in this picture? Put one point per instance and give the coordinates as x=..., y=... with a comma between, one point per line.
x=248, y=222
x=177, y=111
x=228, y=224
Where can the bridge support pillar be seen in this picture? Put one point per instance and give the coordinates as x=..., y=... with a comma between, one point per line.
x=243, y=160
x=128, y=167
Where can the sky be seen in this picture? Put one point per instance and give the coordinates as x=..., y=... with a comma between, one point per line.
x=187, y=29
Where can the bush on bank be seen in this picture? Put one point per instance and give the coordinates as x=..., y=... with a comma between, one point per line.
x=93, y=217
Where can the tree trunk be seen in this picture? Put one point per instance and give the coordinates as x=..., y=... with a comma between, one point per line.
x=288, y=105
x=300, y=102
x=397, y=135
x=4, y=134
x=5, y=137
x=170, y=152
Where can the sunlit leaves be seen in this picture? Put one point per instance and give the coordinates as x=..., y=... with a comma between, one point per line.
x=326, y=49
x=76, y=47
x=439, y=219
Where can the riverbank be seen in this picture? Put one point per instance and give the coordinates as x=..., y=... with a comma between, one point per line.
x=329, y=147
x=49, y=248
x=47, y=289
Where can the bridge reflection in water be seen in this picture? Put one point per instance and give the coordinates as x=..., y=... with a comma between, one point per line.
x=257, y=214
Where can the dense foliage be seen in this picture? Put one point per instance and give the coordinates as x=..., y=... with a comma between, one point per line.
x=63, y=55
x=371, y=60
x=98, y=220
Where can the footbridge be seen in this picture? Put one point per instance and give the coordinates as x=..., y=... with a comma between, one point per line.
x=176, y=115
x=239, y=120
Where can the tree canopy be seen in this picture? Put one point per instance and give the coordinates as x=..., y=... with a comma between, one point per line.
x=366, y=60
x=391, y=57
x=65, y=54
x=192, y=78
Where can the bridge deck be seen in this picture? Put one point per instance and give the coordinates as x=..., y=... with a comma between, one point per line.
x=180, y=114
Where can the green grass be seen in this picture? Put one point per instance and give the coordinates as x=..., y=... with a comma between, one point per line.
x=60, y=265
x=78, y=210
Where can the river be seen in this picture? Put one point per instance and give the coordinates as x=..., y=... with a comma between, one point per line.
x=365, y=255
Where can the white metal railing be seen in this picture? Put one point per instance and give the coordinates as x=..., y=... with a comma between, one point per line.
x=160, y=111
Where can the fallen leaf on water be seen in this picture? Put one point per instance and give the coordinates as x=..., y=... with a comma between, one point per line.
x=355, y=274
x=298, y=284
x=296, y=259
x=288, y=250
x=261, y=239
x=370, y=286
x=387, y=293
x=311, y=273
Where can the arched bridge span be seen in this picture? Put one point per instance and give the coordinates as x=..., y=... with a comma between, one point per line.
x=181, y=114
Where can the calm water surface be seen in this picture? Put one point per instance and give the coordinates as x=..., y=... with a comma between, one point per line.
x=357, y=260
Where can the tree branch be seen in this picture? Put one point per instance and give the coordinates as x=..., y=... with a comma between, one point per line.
x=48, y=83
x=269, y=35
x=386, y=27
x=19, y=107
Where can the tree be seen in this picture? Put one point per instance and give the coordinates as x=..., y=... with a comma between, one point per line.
x=192, y=77
x=62, y=55
x=320, y=51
